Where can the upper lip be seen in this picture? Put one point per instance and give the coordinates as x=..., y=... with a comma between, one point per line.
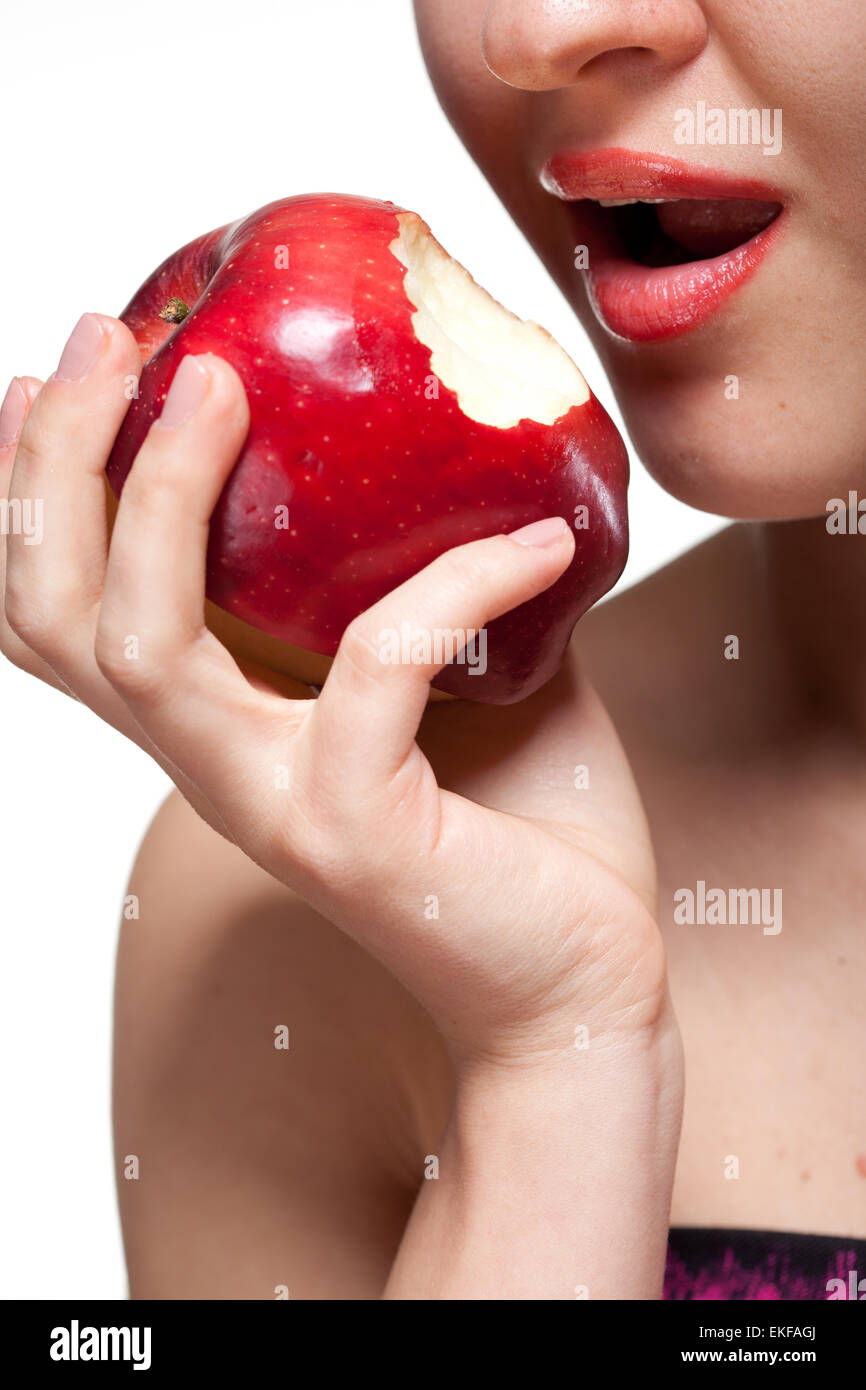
x=616, y=173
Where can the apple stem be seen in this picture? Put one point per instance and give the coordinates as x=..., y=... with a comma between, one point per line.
x=175, y=311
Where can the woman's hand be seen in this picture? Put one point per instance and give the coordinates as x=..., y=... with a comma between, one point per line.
x=515, y=927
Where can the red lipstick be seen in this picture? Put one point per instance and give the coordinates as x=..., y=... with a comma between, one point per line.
x=643, y=284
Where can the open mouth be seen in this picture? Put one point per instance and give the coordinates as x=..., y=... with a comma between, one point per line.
x=666, y=243
x=675, y=231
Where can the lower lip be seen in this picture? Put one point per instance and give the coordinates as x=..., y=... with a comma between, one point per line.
x=648, y=305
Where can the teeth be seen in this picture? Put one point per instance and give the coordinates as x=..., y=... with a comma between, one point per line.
x=627, y=202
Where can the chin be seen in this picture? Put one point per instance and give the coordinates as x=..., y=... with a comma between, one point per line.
x=779, y=451
x=732, y=468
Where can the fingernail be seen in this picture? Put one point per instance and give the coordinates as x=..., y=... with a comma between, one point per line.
x=186, y=393
x=82, y=350
x=12, y=413
x=545, y=532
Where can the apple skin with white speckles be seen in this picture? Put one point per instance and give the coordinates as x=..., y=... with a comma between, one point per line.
x=360, y=466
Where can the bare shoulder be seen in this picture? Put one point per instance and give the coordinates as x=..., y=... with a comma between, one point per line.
x=270, y=1077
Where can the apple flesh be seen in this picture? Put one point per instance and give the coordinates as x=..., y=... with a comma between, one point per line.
x=396, y=410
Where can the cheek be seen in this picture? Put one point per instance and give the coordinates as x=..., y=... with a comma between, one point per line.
x=474, y=100
x=444, y=31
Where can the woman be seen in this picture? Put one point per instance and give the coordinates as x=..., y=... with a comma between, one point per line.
x=488, y=976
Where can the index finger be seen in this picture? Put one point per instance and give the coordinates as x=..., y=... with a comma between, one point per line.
x=368, y=713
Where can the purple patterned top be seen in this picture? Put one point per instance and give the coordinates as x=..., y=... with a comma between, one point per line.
x=750, y=1265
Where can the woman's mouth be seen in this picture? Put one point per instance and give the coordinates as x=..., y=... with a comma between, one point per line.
x=665, y=243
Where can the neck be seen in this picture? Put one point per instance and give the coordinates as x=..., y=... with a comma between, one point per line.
x=815, y=583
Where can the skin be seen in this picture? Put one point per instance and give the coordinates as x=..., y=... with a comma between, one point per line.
x=412, y=1037
x=594, y=74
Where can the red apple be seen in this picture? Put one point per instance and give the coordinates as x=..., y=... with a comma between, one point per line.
x=396, y=410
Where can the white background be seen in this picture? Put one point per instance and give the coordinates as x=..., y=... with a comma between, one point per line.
x=127, y=130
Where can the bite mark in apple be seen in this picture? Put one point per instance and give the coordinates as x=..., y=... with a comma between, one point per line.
x=336, y=343
x=502, y=369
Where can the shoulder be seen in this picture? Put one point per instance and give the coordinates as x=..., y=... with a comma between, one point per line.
x=277, y=1086
x=224, y=941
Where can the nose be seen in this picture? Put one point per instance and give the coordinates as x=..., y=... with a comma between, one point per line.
x=543, y=44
